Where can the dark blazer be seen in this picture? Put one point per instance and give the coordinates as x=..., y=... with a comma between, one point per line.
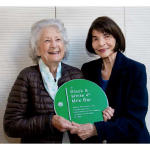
x=127, y=94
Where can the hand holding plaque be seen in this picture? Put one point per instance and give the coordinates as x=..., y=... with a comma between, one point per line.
x=80, y=101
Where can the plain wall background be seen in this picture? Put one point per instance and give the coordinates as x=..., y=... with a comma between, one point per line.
x=15, y=25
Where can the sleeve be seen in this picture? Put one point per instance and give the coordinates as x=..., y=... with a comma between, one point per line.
x=18, y=122
x=134, y=121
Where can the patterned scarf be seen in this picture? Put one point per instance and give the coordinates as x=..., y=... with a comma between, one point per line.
x=48, y=79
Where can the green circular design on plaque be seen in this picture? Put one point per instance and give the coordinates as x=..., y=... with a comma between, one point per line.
x=80, y=101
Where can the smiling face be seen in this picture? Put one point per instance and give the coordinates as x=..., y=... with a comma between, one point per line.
x=103, y=43
x=51, y=46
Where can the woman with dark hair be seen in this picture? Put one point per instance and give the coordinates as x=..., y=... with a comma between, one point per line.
x=124, y=82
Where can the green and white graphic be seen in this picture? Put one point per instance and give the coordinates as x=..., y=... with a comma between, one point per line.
x=80, y=101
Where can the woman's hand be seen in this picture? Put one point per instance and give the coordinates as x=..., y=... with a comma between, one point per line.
x=108, y=113
x=84, y=131
x=61, y=123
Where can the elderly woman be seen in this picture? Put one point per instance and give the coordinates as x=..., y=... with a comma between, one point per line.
x=124, y=82
x=30, y=110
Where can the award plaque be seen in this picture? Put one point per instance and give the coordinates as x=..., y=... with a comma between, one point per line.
x=80, y=101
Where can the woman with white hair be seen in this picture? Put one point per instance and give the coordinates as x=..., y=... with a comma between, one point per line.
x=30, y=110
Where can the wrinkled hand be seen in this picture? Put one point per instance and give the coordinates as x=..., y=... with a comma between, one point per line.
x=84, y=131
x=108, y=113
x=61, y=123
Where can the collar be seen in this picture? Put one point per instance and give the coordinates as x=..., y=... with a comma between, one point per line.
x=121, y=61
x=116, y=78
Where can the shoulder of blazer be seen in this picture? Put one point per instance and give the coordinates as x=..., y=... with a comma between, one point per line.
x=136, y=64
x=92, y=64
x=122, y=63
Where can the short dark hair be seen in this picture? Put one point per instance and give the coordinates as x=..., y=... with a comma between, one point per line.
x=105, y=24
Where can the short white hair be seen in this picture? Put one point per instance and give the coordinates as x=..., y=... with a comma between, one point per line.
x=36, y=33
